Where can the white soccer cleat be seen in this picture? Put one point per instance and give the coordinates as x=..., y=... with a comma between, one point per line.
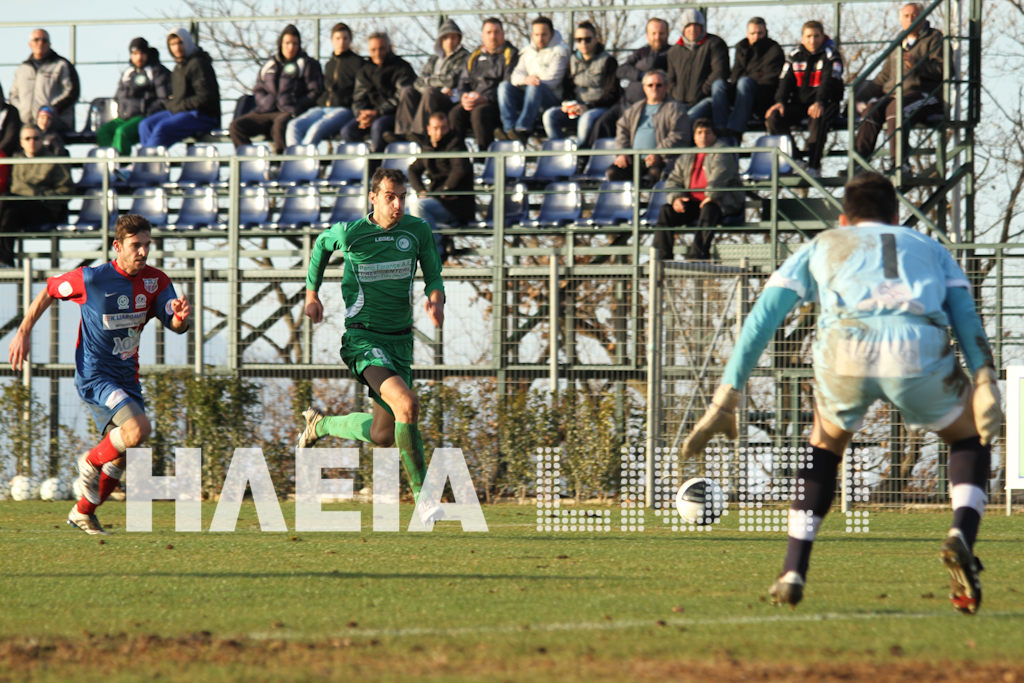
x=89, y=479
x=87, y=523
x=430, y=513
x=788, y=589
x=308, y=436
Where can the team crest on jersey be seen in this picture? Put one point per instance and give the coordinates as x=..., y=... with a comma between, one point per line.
x=403, y=243
x=123, y=302
x=141, y=301
x=150, y=283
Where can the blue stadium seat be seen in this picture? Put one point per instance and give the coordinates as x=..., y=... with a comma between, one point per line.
x=90, y=215
x=256, y=169
x=598, y=164
x=516, y=209
x=150, y=168
x=253, y=207
x=657, y=198
x=301, y=171
x=515, y=166
x=760, y=167
x=101, y=110
x=409, y=149
x=151, y=203
x=300, y=208
x=555, y=168
x=198, y=210
x=349, y=205
x=562, y=205
x=202, y=168
x=92, y=171
x=347, y=171
x=614, y=203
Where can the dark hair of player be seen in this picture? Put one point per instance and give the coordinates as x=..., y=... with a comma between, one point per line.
x=381, y=174
x=869, y=197
x=130, y=224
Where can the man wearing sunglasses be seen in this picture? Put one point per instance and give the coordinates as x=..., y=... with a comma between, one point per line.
x=655, y=122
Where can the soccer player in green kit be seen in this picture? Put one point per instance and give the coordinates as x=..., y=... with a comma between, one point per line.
x=381, y=252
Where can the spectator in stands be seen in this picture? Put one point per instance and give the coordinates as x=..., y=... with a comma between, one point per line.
x=10, y=126
x=489, y=65
x=655, y=122
x=376, y=94
x=536, y=82
x=811, y=85
x=921, y=53
x=751, y=88
x=45, y=79
x=448, y=175
x=435, y=88
x=334, y=107
x=144, y=89
x=194, y=106
x=653, y=55
x=52, y=140
x=288, y=84
x=33, y=180
x=590, y=87
x=714, y=192
x=695, y=64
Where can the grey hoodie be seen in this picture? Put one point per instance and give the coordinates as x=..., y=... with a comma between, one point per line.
x=440, y=71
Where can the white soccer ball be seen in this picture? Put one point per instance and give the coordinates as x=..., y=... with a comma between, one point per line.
x=54, y=489
x=700, y=501
x=24, y=488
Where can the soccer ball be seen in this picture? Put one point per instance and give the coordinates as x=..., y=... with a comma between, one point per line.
x=24, y=488
x=700, y=501
x=54, y=489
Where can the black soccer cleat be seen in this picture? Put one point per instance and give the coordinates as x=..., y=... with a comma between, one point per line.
x=788, y=589
x=963, y=568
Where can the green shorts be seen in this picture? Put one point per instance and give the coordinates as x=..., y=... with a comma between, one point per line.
x=361, y=348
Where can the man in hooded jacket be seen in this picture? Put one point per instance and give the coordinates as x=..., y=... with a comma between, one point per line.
x=194, y=105
x=143, y=89
x=434, y=89
x=288, y=84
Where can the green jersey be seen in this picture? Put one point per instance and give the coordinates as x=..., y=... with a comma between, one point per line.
x=380, y=265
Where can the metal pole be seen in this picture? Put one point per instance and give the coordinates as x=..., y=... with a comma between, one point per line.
x=653, y=373
x=197, y=318
x=233, y=266
x=553, y=321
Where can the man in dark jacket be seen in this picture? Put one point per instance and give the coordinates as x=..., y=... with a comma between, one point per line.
x=435, y=87
x=194, y=105
x=444, y=176
x=921, y=53
x=755, y=76
x=10, y=127
x=288, y=84
x=653, y=55
x=45, y=79
x=144, y=89
x=334, y=108
x=695, y=63
x=489, y=65
x=376, y=94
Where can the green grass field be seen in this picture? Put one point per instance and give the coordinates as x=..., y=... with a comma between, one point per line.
x=509, y=604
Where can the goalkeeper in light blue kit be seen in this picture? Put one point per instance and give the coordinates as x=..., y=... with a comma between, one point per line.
x=886, y=296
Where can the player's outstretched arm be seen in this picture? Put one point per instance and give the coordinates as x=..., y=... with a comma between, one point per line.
x=988, y=411
x=182, y=310
x=314, y=307
x=21, y=343
x=435, y=307
x=970, y=334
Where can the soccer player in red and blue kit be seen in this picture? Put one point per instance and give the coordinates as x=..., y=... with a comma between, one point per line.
x=117, y=299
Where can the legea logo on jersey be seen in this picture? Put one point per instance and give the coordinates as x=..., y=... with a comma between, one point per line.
x=403, y=244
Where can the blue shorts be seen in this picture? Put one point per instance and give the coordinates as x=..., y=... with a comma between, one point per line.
x=105, y=397
x=911, y=366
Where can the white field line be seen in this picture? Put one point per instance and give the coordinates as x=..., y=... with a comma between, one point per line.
x=617, y=625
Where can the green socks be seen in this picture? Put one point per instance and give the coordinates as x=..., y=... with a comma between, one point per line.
x=410, y=447
x=351, y=426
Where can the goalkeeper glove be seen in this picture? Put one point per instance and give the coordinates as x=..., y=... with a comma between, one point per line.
x=720, y=418
x=988, y=414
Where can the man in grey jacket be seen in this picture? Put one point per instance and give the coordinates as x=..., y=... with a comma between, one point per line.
x=713, y=193
x=434, y=89
x=657, y=121
x=45, y=79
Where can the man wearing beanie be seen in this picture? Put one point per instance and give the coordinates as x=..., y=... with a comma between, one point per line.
x=435, y=87
x=288, y=84
x=694, y=64
x=194, y=105
x=143, y=89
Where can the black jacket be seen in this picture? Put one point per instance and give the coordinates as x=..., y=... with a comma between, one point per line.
x=145, y=91
x=340, y=79
x=808, y=78
x=636, y=65
x=194, y=86
x=483, y=71
x=761, y=61
x=446, y=175
x=691, y=71
x=288, y=86
x=377, y=87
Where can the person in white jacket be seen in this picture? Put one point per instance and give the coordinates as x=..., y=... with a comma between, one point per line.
x=536, y=82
